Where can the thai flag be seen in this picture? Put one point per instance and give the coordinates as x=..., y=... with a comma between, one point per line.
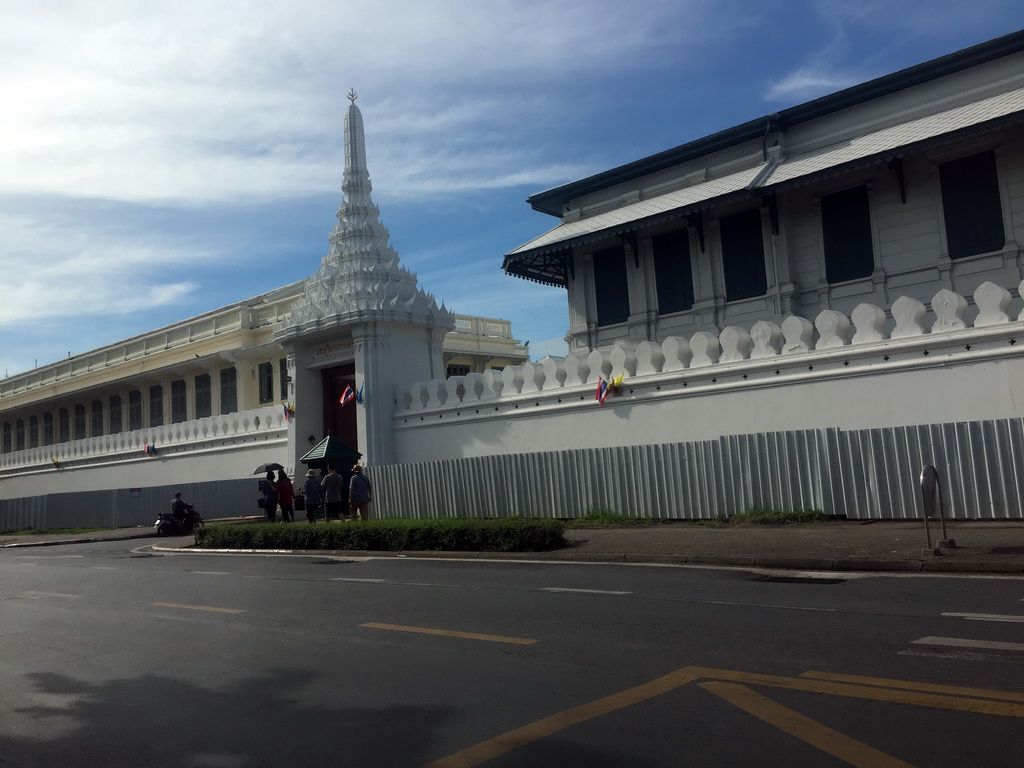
x=602, y=391
x=347, y=396
x=359, y=396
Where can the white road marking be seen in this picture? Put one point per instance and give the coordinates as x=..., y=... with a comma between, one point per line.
x=365, y=581
x=49, y=557
x=103, y=567
x=213, y=573
x=985, y=617
x=764, y=605
x=585, y=591
x=962, y=642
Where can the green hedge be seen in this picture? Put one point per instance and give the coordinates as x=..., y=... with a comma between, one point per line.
x=487, y=535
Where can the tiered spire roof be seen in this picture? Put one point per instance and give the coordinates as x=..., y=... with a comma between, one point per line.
x=361, y=276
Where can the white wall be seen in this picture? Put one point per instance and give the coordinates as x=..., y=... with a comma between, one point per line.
x=705, y=387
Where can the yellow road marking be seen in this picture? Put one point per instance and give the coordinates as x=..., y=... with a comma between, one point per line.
x=894, y=691
x=895, y=696
x=197, y=607
x=817, y=735
x=978, y=693
x=452, y=633
x=527, y=734
x=52, y=594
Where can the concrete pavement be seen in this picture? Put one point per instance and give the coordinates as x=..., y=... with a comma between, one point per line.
x=984, y=546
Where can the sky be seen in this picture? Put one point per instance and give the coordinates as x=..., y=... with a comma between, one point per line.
x=161, y=160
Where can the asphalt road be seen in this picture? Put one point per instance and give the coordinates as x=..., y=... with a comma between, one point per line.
x=112, y=656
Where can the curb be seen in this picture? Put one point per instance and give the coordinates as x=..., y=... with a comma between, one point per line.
x=777, y=563
x=91, y=540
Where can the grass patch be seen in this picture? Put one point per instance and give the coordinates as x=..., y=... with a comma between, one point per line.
x=453, y=535
x=605, y=518
x=759, y=516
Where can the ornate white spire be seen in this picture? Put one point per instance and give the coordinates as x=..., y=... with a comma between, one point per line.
x=360, y=277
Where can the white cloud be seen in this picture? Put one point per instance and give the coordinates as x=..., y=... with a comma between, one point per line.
x=50, y=272
x=192, y=102
x=808, y=83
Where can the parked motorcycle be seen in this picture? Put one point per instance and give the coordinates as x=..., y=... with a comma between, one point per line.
x=168, y=525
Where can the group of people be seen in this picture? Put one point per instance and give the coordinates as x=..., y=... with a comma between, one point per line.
x=331, y=491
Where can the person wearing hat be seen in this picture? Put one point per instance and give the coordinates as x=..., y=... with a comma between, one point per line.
x=360, y=494
x=311, y=490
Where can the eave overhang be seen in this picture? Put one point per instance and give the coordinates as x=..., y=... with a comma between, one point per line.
x=551, y=201
x=548, y=258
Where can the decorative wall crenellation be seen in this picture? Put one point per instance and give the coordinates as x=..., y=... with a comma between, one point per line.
x=910, y=322
x=212, y=432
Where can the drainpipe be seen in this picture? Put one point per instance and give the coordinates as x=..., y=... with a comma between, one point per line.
x=775, y=270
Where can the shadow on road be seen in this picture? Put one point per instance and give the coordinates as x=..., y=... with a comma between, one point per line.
x=160, y=721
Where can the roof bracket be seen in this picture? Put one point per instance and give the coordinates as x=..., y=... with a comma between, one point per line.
x=896, y=168
x=696, y=220
x=629, y=243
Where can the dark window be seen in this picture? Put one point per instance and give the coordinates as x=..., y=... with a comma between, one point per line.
x=33, y=431
x=47, y=428
x=743, y=256
x=203, y=402
x=97, y=418
x=610, y=288
x=970, y=204
x=228, y=390
x=115, y=414
x=283, y=375
x=156, y=406
x=846, y=232
x=672, y=271
x=7, y=437
x=135, y=409
x=19, y=435
x=63, y=425
x=79, y=422
x=266, y=381
x=179, y=402
x=456, y=370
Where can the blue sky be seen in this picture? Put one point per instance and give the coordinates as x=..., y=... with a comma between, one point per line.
x=159, y=160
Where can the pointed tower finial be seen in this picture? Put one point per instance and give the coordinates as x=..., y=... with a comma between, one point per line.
x=352, y=95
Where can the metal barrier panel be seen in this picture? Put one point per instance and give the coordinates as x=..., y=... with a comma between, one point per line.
x=860, y=474
x=122, y=507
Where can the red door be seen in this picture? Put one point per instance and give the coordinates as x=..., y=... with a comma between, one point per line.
x=340, y=420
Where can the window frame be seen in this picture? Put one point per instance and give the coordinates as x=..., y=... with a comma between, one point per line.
x=265, y=382
x=228, y=383
x=611, y=286
x=842, y=236
x=735, y=234
x=967, y=209
x=672, y=277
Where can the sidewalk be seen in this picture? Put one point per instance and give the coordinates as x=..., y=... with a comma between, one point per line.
x=982, y=546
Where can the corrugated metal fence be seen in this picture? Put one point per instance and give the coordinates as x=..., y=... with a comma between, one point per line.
x=123, y=508
x=861, y=474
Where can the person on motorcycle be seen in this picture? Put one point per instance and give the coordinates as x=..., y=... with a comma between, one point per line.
x=180, y=508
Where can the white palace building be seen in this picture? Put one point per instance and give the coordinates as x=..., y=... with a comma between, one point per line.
x=804, y=310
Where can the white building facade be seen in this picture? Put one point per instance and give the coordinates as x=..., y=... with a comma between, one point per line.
x=804, y=310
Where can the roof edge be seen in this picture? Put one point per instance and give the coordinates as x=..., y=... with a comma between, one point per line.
x=550, y=201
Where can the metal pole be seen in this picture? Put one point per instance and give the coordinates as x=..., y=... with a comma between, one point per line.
x=929, y=495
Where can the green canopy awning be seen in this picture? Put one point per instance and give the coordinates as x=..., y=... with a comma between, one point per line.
x=331, y=450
